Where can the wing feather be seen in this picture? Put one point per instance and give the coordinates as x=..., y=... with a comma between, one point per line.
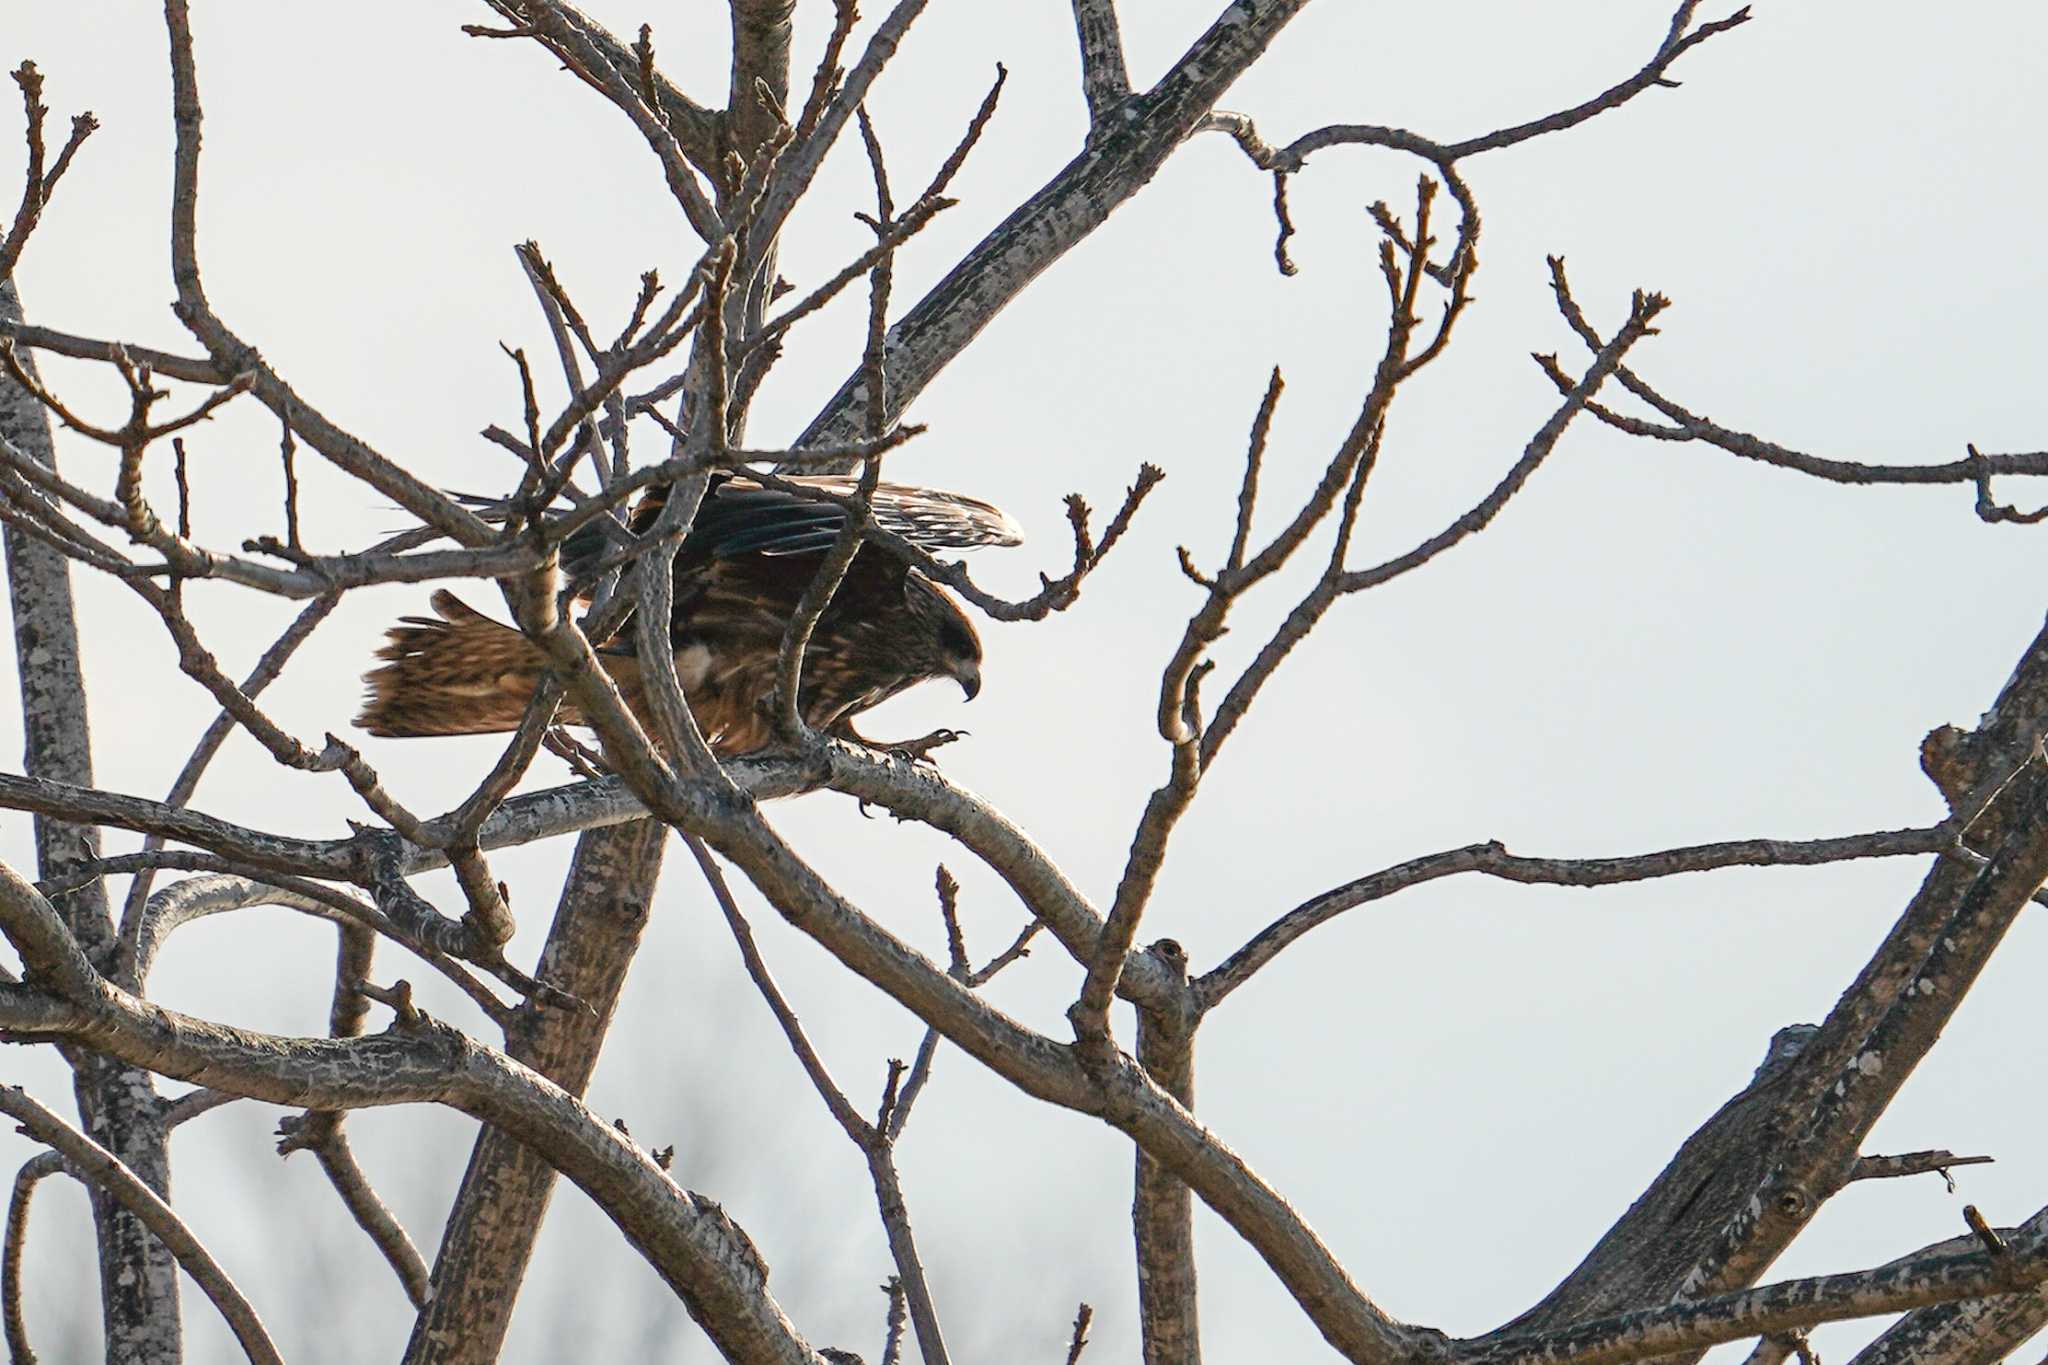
x=742, y=517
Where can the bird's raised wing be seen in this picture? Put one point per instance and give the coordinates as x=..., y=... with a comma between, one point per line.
x=740, y=517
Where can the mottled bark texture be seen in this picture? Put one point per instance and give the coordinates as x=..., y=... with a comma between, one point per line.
x=505, y=1191
x=1752, y=1177
x=117, y=1103
x=755, y=111
x=1162, y=1208
x=1972, y=1332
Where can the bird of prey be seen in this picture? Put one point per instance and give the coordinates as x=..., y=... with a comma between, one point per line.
x=739, y=573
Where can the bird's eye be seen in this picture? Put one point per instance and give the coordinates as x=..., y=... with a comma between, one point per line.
x=956, y=640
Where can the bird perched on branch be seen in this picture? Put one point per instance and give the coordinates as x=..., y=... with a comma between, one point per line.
x=739, y=574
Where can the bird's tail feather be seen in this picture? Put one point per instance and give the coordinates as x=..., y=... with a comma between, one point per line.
x=456, y=673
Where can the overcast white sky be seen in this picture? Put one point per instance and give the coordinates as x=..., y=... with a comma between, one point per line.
x=1461, y=1087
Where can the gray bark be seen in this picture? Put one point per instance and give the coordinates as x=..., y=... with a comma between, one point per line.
x=505, y=1191
x=1162, y=1208
x=117, y=1103
x=1749, y=1180
x=1971, y=1332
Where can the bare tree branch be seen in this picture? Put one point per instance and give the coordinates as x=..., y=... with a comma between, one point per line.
x=1787, y=1306
x=1162, y=1211
x=32, y=1173
x=320, y=1132
x=499, y=1207
x=1079, y=1339
x=1676, y=44
x=192, y=369
x=236, y=356
x=1493, y=860
x=1974, y=468
x=695, y=128
x=1743, y=1186
x=1063, y=212
x=822, y=123
x=1979, y=1331
x=1914, y=1163
x=575, y=40
x=1781, y=1347
x=1104, y=81
x=875, y=1140
x=117, y=1103
x=267, y=670
x=102, y=1170
x=697, y=1250
x=37, y=182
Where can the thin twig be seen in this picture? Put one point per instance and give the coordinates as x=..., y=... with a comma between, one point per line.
x=1914, y=1163
x=1079, y=1340
x=37, y=184
x=873, y=1140
x=1493, y=860
x=268, y=669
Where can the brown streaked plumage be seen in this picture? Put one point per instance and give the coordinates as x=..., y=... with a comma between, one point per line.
x=738, y=576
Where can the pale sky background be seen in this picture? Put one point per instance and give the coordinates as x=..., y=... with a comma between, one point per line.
x=1460, y=1088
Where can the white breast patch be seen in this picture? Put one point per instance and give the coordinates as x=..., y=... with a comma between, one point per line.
x=693, y=664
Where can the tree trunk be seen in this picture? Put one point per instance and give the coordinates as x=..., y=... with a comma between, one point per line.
x=118, y=1104
x=504, y=1193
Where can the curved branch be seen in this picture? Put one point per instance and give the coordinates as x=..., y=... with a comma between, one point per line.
x=32, y=1173
x=1289, y=159
x=1974, y=468
x=320, y=1132
x=98, y=1166
x=696, y=1249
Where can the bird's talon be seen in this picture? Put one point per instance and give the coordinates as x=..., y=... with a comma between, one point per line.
x=919, y=750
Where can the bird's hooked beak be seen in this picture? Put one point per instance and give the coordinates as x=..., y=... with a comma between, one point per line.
x=969, y=674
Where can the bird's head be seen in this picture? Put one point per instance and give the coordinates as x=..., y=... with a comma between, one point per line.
x=947, y=637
